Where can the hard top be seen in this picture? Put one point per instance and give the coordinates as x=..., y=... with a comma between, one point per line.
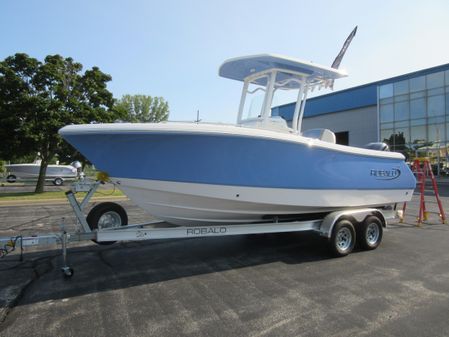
x=241, y=67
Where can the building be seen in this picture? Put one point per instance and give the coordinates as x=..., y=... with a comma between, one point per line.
x=409, y=112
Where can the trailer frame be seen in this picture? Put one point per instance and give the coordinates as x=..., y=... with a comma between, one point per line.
x=156, y=230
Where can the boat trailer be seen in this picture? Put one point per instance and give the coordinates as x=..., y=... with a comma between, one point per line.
x=106, y=223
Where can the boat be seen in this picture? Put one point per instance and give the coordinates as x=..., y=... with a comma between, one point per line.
x=55, y=173
x=263, y=168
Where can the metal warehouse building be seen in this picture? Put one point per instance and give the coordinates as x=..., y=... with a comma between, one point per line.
x=409, y=112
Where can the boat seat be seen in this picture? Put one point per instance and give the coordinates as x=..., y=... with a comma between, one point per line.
x=379, y=146
x=274, y=123
x=325, y=135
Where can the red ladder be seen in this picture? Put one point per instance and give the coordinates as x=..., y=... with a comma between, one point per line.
x=422, y=173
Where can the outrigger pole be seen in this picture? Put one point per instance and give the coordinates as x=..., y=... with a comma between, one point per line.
x=342, y=52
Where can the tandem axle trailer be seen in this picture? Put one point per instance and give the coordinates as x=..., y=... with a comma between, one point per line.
x=107, y=223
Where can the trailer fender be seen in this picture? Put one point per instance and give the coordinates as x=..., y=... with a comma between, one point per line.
x=356, y=216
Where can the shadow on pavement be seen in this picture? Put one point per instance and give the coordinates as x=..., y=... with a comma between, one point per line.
x=124, y=265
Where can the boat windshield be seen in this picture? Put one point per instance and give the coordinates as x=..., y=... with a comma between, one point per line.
x=254, y=102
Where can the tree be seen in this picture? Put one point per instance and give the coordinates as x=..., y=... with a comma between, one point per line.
x=38, y=98
x=142, y=108
x=397, y=143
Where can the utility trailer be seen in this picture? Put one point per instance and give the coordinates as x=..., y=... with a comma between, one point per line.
x=107, y=223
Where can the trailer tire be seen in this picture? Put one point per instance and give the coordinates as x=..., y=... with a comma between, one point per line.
x=58, y=181
x=343, y=238
x=107, y=215
x=11, y=178
x=370, y=233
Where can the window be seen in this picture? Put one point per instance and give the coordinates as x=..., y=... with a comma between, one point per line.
x=447, y=104
x=415, y=122
x=403, y=128
x=401, y=98
x=402, y=135
x=385, y=135
x=418, y=134
x=435, y=105
x=417, y=84
x=418, y=108
x=401, y=88
x=435, y=132
x=435, y=91
x=386, y=126
x=447, y=131
x=401, y=111
x=386, y=113
x=404, y=124
x=435, y=80
x=386, y=100
x=414, y=114
x=386, y=90
x=418, y=94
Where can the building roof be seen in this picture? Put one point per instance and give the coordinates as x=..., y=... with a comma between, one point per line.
x=348, y=99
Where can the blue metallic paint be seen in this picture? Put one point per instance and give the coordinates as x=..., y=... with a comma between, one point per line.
x=235, y=160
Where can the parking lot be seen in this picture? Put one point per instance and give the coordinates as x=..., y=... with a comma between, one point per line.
x=251, y=285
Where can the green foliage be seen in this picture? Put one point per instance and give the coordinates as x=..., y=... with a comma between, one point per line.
x=142, y=108
x=38, y=98
x=397, y=143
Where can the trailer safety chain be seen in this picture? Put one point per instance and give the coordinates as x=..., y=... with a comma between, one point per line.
x=10, y=246
x=107, y=194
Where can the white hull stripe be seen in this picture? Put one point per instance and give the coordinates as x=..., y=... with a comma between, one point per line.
x=186, y=202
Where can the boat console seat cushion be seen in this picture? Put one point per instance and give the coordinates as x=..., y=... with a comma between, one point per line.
x=275, y=123
x=379, y=146
x=325, y=135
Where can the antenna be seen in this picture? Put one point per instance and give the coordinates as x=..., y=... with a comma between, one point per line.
x=342, y=52
x=197, y=116
x=340, y=55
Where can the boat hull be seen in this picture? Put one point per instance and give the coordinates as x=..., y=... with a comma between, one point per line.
x=28, y=171
x=202, y=174
x=191, y=204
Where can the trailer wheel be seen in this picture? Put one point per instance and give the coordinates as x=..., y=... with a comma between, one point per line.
x=11, y=178
x=343, y=238
x=370, y=233
x=107, y=215
x=58, y=182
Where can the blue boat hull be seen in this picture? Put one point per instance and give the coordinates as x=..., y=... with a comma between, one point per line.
x=198, y=178
x=239, y=161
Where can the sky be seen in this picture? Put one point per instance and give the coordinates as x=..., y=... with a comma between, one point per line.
x=173, y=49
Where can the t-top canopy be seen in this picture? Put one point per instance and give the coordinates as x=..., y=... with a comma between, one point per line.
x=241, y=67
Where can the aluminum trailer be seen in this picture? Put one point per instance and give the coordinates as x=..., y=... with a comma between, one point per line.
x=107, y=223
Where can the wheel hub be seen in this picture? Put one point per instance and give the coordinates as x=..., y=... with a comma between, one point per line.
x=344, y=239
x=372, y=233
x=109, y=219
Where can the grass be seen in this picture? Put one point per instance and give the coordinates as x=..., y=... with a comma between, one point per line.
x=31, y=196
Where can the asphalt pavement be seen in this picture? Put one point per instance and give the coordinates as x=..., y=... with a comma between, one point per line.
x=249, y=285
